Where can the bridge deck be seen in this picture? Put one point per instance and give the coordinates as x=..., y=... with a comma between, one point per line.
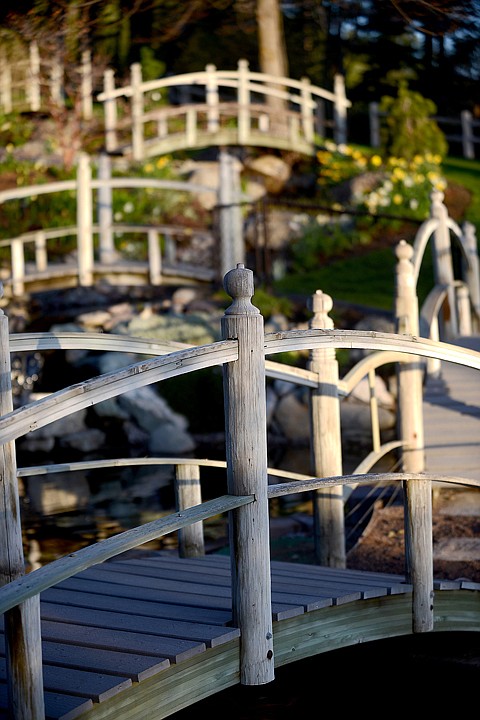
x=143, y=635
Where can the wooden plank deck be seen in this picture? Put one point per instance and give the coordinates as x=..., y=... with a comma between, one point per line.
x=113, y=632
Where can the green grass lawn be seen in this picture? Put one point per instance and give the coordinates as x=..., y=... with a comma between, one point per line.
x=369, y=278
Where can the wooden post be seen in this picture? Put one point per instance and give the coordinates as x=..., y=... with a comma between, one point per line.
x=87, y=91
x=340, y=110
x=243, y=99
x=154, y=258
x=418, y=495
x=84, y=221
x=326, y=449
x=471, y=273
x=410, y=372
x=105, y=211
x=418, y=518
x=307, y=111
x=137, y=111
x=211, y=89
x=18, y=266
x=467, y=135
x=230, y=219
x=464, y=314
x=56, y=81
x=246, y=453
x=442, y=263
x=33, y=88
x=110, y=111
x=22, y=623
x=188, y=493
x=41, y=261
x=5, y=83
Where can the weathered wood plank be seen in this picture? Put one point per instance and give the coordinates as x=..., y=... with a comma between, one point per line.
x=57, y=706
x=131, y=665
x=133, y=605
x=211, y=635
x=96, y=686
x=176, y=650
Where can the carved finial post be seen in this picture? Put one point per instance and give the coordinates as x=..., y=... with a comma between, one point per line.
x=410, y=372
x=442, y=261
x=22, y=623
x=326, y=448
x=418, y=492
x=246, y=453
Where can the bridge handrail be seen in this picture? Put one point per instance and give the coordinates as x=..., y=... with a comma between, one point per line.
x=90, y=392
x=31, y=585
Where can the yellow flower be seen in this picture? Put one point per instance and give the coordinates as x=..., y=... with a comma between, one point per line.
x=148, y=167
x=161, y=162
x=398, y=173
x=397, y=199
x=376, y=160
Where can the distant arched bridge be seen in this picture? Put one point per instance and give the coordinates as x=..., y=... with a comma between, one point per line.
x=223, y=108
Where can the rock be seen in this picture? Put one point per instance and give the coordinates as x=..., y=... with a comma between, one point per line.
x=169, y=439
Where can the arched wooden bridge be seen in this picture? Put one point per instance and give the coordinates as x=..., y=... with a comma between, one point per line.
x=104, y=634
x=220, y=107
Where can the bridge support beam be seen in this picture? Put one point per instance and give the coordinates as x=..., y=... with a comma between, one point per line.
x=246, y=453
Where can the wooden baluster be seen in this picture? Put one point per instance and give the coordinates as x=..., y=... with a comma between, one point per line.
x=110, y=111
x=33, y=87
x=212, y=99
x=340, y=110
x=41, y=261
x=326, y=460
x=137, y=112
x=107, y=252
x=84, y=221
x=154, y=258
x=246, y=453
x=188, y=493
x=87, y=82
x=22, y=623
x=18, y=266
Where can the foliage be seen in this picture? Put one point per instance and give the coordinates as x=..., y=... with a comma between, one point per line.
x=382, y=194
x=410, y=128
x=14, y=130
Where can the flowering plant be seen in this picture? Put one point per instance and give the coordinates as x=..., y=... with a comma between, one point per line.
x=391, y=185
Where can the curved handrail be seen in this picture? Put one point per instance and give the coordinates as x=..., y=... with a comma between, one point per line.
x=29, y=585
x=64, y=402
x=32, y=584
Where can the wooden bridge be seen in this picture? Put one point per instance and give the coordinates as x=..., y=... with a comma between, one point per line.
x=229, y=108
x=104, y=632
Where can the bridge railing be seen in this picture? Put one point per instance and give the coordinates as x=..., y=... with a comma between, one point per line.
x=452, y=307
x=246, y=101
x=32, y=258
x=242, y=355
x=34, y=81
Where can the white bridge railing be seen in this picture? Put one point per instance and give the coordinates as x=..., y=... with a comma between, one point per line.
x=31, y=260
x=238, y=107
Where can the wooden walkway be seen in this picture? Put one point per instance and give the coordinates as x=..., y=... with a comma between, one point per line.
x=119, y=636
x=451, y=412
